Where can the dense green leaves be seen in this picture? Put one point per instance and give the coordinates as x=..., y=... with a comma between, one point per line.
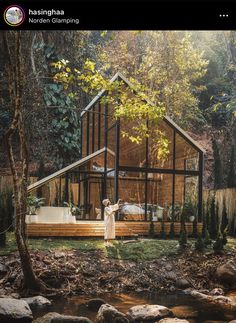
x=65, y=126
x=131, y=104
x=166, y=62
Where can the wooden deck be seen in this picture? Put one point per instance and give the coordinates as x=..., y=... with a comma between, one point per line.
x=96, y=229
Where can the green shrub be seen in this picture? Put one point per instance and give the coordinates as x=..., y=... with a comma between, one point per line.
x=218, y=245
x=34, y=203
x=213, y=226
x=204, y=222
x=207, y=238
x=199, y=244
x=172, y=230
x=189, y=209
x=217, y=166
x=6, y=214
x=195, y=232
x=183, y=233
x=232, y=225
x=208, y=222
x=2, y=223
x=163, y=233
x=151, y=230
x=183, y=240
x=224, y=218
x=224, y=237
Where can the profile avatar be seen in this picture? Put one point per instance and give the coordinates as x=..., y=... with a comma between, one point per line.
x=14, y=15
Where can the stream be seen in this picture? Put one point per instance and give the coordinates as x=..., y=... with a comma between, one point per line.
x=183, y=306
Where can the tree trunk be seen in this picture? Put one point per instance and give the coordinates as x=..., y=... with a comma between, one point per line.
x=31, y=282
x=15, y=74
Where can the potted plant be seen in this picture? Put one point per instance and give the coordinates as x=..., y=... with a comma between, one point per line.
x=174, y=212
x=34, y=203
x=189, y=210
x=157, y=212
x=151, y=212
x=74, y=211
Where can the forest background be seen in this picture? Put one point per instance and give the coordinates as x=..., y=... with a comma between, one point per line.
x=192, y=74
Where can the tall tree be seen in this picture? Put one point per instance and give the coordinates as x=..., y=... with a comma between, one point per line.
x=165, y=62
x=218, y=169
x=224, y=218
x=231, y=180
x=3, y=226
x=213, y=228
x=18, y=160
x=217, y=101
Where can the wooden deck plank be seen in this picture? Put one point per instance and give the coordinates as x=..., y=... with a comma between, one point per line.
x=96, y=229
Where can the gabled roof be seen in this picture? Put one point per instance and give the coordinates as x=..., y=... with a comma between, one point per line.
x=66, y=169
x=120, y=76
x=102, y=92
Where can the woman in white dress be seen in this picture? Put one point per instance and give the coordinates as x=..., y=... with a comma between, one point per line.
x=109, y=219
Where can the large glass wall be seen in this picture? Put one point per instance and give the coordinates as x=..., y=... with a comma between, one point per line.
x=83, y=187
x=186, y=156
x=91, y=131
x=111, y=138
x=132, y=195
x=93, y=127
x=132, y=154
x=167, y=133
x=102, y=125
x=163, y=197
x=110, y=161
x=149, y=186
x=153, y=196
x=186, y=197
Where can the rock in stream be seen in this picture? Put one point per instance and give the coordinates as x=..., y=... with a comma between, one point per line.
x=15, y=310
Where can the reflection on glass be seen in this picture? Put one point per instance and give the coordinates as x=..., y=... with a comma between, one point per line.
x=166, y=162
x=132, y=194
x=186, y=155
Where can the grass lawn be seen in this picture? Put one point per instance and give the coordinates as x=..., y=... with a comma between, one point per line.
x=53, y=244
x=144, y=249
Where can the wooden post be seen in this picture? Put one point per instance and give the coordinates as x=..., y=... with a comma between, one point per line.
x=66, y=188
x=87, y=147
x=200, y=186
x=173, y=176
x=78, y=204
x=105, y=155
x=117, y=156
x=99, y=125
x=59, y=192
x=81, y=137
x=93, y=128
x=146, y=174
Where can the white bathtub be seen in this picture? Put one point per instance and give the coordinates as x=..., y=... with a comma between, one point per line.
x=51, y=214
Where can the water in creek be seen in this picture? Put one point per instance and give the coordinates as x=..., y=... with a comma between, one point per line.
x=182, y=305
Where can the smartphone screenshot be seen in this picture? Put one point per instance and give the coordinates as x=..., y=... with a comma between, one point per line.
x=117, y=161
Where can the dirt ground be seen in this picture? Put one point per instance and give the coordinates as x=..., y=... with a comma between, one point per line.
x=92, y=273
